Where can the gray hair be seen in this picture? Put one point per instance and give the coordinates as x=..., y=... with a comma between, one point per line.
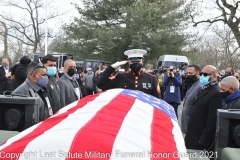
x=231, y=82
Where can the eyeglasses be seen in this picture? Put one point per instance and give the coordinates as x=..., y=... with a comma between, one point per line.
x=39, y=65
x=205, y=74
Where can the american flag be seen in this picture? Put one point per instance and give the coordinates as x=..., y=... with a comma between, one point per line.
x=115, y=124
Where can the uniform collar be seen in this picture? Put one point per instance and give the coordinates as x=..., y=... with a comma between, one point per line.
x=139, y=73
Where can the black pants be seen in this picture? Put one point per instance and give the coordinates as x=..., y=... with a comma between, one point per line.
x=90, y=91
x=162, y=88
x=175, y=106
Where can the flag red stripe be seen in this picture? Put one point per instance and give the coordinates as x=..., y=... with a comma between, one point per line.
x=100, y=133
x=163, y=143
x=19, y=145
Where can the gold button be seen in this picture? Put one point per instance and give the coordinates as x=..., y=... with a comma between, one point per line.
x=136, y=85
x=125, y=86
x=136, y=77
x=136, y=81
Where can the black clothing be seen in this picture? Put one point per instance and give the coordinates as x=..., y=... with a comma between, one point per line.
x=175, y=106
x=143, y=82
x=4, y=81
x=95, y=79
x=234, y=104
x=201, y=126
x=53, y=94
x=20, y=74
x=43, y=93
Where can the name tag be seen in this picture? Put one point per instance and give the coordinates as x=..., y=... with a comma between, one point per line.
x=172, y=89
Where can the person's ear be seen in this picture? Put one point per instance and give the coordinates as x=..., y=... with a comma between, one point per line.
x=231, y=90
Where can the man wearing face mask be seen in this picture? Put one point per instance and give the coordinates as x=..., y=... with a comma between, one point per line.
x=135, y=80
x=194, y=86
x=69, y=88
x=5, y=75
x=229, y=91
x=49, y=61
x=35, y=86
x=201, y=126
x=228, y=72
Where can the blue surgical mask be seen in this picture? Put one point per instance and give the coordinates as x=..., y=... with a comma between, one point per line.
x=42, y=82
x=204, y=80
x=51, y=71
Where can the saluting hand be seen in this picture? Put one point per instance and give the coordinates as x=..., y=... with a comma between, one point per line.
x=117, y=64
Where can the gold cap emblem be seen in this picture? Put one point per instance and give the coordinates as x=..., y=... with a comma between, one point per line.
x=135, y=51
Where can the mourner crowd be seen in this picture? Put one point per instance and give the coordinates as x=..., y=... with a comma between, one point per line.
x=202, y=90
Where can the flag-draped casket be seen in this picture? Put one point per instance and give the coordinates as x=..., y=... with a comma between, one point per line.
x=115, y=124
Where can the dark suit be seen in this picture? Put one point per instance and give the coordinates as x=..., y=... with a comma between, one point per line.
x=67, y=91
x=202, y=119
x=54, y=94
x=4, y=81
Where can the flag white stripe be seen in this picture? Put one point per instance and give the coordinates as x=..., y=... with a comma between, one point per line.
x=132, y=138
x=180, y=144
x=66, y=108
x=65, y=131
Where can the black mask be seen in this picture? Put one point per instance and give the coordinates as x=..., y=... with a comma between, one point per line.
x=224, y=95
x=135, y=67
x=191, y=78
x=71, y=72
x=228, y=74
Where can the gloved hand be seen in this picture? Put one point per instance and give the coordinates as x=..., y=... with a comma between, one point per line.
x=117, y=64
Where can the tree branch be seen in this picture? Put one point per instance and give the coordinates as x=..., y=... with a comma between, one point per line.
x=204, y=21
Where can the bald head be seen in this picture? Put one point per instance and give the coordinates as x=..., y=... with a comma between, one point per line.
x=211, y=69
x=69, y=64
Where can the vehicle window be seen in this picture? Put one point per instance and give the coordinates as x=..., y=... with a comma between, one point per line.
x=89, y=64
x=159, y=63
x=95, y=64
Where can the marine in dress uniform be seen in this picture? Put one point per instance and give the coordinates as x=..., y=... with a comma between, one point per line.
x=136, y=79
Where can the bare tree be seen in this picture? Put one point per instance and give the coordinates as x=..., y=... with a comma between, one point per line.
x=222, y=11
x=4, y=33
x=219, y=49
x=29, y=30
x=229, y=48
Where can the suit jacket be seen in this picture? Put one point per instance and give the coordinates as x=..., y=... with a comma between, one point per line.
x=54, y=94
x=190, y=97
x=29, y=88
x=4, y=81
x=67, y=91
x=201, y=126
